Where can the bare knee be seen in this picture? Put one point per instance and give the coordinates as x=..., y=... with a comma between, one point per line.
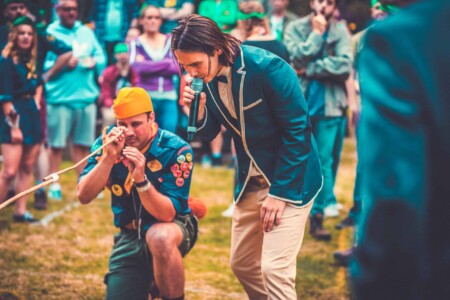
x=8, y=174
x=161, y=240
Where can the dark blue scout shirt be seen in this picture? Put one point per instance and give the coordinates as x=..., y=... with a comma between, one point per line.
x=169, y=169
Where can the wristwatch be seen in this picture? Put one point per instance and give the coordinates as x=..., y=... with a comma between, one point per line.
x=142, y=183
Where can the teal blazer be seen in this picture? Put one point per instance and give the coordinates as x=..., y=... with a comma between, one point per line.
x=272, y=128
x=404, y=68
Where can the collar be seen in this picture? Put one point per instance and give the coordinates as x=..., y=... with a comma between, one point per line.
x=225, y=71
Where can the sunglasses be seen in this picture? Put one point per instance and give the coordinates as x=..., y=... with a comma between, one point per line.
x=153, y=17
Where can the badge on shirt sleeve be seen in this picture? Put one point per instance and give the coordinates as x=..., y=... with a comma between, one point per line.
x=186, y=174
x=154, y=165
x=188, y=157
x=184, y=166
x=175, y=168
x=179, y=182
x=181, y=159
x=117, y=190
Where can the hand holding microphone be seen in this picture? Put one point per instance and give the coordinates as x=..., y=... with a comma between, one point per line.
x=195, y=100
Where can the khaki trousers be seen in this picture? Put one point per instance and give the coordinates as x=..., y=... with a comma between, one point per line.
x=265, y=262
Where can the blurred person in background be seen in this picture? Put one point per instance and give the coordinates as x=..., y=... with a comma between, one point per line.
x=256, y=30
x=404, y=245
x=20, y=131
x=320, y=50
x=152, y=59
x=112, y=19
x=71, y=96
x=45, y=43
x=172, y=11
x=378, y=12
x=223, y=12
x=280, y=17
x=115, y=77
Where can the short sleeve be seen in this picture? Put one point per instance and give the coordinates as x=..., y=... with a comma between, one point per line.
x=92, y=161
x=176, y=182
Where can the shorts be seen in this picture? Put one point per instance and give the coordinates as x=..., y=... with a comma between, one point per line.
x=76, y=123
x=130, y=264
x=29, y=123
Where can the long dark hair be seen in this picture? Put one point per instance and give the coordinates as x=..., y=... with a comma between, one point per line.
x=200, y=34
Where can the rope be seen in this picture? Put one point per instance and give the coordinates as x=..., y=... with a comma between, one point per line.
x=55, y=176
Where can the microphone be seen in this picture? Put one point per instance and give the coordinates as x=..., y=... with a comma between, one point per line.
x=197, y=86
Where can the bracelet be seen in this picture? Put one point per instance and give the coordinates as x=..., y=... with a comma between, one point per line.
x=142, y=183
x=146, y=187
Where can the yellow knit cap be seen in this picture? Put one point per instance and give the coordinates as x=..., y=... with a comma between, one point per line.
x=131, y=101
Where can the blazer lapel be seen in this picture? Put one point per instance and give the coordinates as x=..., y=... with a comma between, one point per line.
x=237, y=78
x=219, y=108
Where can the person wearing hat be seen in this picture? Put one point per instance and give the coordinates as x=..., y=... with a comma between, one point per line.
x=20, y=133
x=13, y=9
x=148, y=171
x=115, y=77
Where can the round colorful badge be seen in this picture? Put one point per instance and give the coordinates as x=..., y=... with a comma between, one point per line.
x=184, y=166
x=175, y=168
x=117, y=190
x=189, y=157
x=179, y=181
x=181, y=159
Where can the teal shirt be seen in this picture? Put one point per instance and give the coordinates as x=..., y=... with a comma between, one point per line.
x=224, y=13
x=77, y=86
x=169, y=169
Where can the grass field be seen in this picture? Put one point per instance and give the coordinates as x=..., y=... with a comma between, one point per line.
x=68, y=258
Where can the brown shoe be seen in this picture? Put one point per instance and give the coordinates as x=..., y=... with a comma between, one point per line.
x=316, y=228
x=343, y=258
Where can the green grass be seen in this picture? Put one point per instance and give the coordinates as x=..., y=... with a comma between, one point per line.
x=68, y=258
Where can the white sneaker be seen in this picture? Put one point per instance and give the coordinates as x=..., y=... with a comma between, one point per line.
x=54, y=192
x=228, y=213
x=331, y=211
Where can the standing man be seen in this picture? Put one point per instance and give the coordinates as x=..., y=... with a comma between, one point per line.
x=256, y=96
x=172, y=11
x=280, y=17
x=148, y=171
x=112, y=19
x=320, y=50
x=71, y=96
x=404, y=245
